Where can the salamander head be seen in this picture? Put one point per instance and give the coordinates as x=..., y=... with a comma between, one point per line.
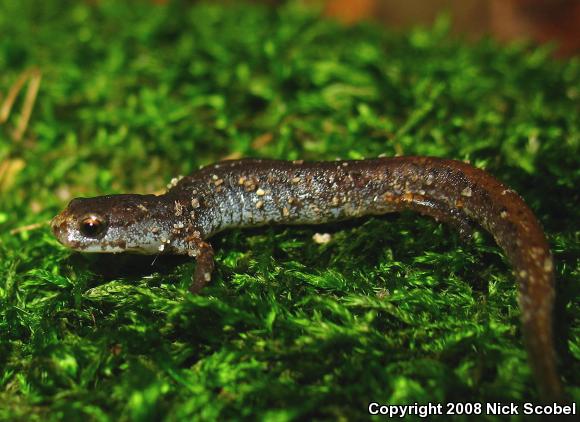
x=113, y=223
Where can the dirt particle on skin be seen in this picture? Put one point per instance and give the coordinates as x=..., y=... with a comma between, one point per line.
x=321, y=238
x=548, y=264
x=195, y=203
x=178, y=208
x=259, y=204
x=296, y=180
x=260, y=192
x=285, y=212
x=467, y=192
x=174, y=181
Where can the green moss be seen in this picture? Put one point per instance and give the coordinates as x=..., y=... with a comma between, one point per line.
x=395, y=309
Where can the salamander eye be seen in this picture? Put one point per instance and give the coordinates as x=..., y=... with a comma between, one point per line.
x=92, y=225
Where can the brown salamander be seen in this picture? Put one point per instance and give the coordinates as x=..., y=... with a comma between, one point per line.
x=254, y=192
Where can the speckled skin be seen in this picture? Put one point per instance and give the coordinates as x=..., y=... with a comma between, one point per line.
x=252, y=192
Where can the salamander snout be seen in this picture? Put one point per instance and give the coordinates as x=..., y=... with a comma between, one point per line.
x=71, y=230
x=112, y=224
x=59, y=226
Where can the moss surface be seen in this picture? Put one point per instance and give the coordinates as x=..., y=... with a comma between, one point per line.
x=395, y=309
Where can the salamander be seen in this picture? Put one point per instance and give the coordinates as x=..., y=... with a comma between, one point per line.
x=256, y=192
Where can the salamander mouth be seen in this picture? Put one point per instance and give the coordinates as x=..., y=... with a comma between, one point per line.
x=117, y=247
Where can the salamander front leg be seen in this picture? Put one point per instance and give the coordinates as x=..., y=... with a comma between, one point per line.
x=203, y=269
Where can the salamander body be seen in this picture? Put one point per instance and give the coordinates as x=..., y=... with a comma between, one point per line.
x=254, y=192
